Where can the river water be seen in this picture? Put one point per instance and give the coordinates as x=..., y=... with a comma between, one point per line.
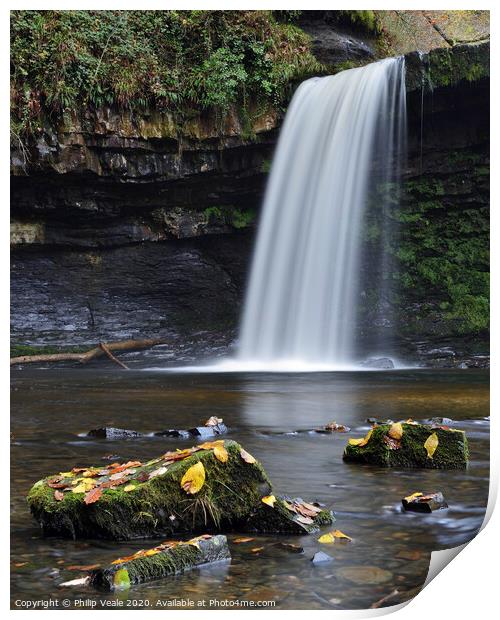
x=50, y=410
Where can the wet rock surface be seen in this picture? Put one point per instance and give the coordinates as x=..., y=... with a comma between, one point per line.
x=113, y=433
x=428, y=502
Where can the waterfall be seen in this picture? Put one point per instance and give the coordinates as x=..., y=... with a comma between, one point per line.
x=339, y=133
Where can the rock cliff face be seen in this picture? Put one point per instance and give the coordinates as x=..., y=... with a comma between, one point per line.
x=127, y=225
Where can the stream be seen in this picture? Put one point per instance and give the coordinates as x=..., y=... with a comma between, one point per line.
x=390, y=550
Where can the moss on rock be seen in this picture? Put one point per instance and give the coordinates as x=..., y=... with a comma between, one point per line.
x=451, y=452
x=230, y=498
x=167, y=559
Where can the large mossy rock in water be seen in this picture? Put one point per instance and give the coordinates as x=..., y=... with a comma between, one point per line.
x=169, y=558
x=215, y=486
x=410, y=445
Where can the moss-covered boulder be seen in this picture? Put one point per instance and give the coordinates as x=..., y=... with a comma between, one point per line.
x=410, y=445
x=168, y=558
x=215, y=486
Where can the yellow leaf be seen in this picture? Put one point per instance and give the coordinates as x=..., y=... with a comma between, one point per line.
x=269, y=500
x=431, y=444
x=66, y=474
x=413, y=496
x=80, y=488
x=151, y=552
x=221, y=454
x=396, y=430
x=339, y=534
x=363, y=441
x=330, y=537
x=130, y=487
x=327, y=539
x=194, y=478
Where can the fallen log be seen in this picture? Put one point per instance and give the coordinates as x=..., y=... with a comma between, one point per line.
x=408, y=444
x=87, y=356
x=215, y=487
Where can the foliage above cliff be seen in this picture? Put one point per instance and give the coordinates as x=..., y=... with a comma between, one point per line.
x=174, y=60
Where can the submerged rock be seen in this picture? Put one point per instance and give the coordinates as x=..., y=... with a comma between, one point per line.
x=321, y=558
x=215, y=486
x=418, y=502
x=169, y=558
x=212, y=427
x=410, y=445
x=109, y=432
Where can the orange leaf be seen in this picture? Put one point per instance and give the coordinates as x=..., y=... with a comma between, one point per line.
x=92, y=496
x=58, y=495
x=237, y=541
x=396, y=431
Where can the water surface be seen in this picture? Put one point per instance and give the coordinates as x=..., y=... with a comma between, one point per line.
x=52, y=408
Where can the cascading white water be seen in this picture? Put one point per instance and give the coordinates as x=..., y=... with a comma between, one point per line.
x=301, y=300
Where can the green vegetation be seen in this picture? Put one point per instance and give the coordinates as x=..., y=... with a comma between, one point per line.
x=366, y=20
x=452, y=450
x=231, y=215
x=443, y=253
x=177, y=61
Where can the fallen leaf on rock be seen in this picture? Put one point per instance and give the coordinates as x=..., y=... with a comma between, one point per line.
x=210, y=445
x=394, y=444
x=93, y=496
x=221, y=454
x=431, y=444
x=396, y=430
x=243, y=539
x=312, y=507
x=194, y=478
x=58, y=495
x=305, y=520
x=336, y=428
x=90, y=473
x=157, y=472
x=130, y=487
x=79, y=488
x=150, y=552
x=269, y=500
x=213, y=421
x=247, y=457
x=363, y=441
x=413, y=496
